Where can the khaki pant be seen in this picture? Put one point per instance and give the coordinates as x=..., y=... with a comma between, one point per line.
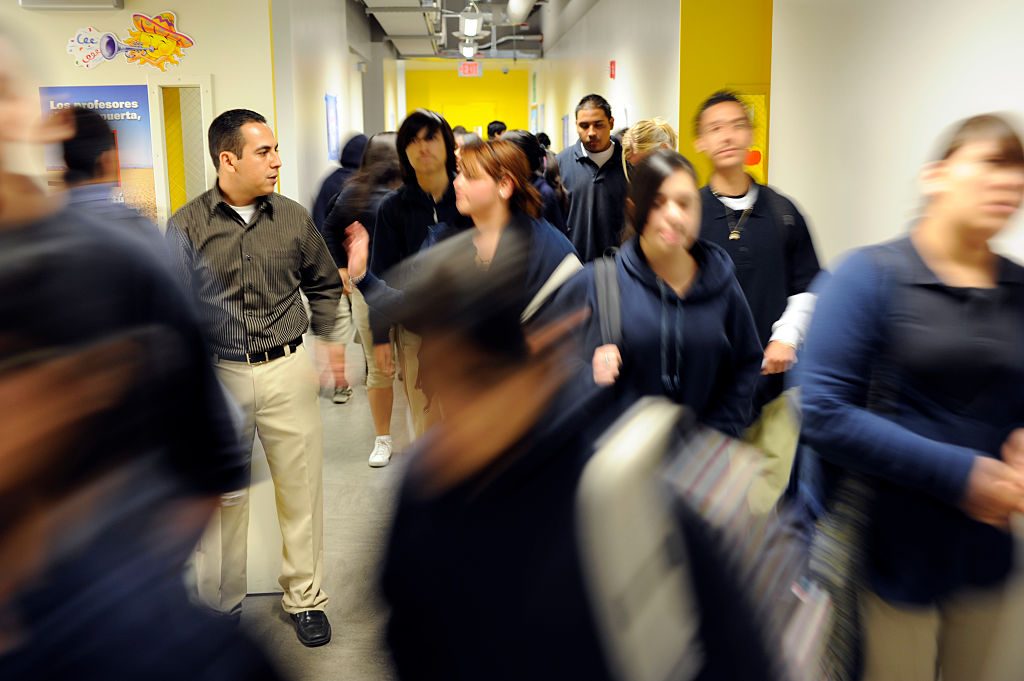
x=280, y=403
x=408, y=354
x=375, y=378
x=956, y=638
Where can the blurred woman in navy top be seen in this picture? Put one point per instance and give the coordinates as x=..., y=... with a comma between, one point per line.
x=940, y=317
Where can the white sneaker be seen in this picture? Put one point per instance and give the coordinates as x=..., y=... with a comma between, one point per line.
x=381, y=454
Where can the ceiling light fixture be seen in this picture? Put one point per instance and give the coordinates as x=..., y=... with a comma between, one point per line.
x=471, y=20
x=468, y=49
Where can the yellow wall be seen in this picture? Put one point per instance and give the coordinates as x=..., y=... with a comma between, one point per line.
x=175, y=148
x=722, y=45
x=471, y=102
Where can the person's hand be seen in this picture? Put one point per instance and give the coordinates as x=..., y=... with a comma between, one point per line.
x=1013, y=450
x=346, y=281
x=994, y=492
x=331, y=363
x=606, y=363
x=357, y=245
x=779, y=358
x=384, y=358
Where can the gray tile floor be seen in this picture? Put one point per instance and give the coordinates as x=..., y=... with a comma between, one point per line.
x=358, y=502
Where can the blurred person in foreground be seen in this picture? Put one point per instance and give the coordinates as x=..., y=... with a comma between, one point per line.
x=117, y=440
x=912, y=383
x=92, y=173
x=250, y=254
x=482, y=572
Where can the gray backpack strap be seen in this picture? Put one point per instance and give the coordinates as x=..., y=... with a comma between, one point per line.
x=609, y=310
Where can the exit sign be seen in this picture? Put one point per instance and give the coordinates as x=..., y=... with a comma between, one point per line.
x=470, y=69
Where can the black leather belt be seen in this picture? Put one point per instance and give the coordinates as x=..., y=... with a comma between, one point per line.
x=263, y=357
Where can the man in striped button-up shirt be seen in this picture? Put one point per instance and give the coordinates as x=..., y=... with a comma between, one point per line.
x=247, y=252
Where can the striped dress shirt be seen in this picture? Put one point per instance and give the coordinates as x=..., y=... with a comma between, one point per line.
x=247, y=277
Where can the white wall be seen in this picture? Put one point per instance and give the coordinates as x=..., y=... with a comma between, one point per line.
x=862, y=92
x=314, y=56
x=236, y=73
x=643, y=39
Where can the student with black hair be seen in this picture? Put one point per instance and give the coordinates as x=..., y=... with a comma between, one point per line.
x=92, y=173
x=494, y=190
x=495, y=129
x=551, y=195
x=763, y=232
x=594, y=180
x=685, y=331
x=426, y=154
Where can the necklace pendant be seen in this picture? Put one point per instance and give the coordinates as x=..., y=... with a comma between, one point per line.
x=734, y=235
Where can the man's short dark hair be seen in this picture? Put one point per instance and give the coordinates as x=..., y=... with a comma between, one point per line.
x=459, y=130
x=719, y=97
x=495, y=128
x=82, y=152
x=411, y=126
x=594, y=101
x=226, y=132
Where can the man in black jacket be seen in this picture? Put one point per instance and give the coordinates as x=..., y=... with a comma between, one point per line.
x=594, y=180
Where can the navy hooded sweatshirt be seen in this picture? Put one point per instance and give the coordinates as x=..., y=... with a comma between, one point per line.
x=547, y=248
x=701, y=350
x=403, y=222
x=351, y=157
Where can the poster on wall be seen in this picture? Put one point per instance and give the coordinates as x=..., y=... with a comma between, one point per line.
x=151, y=41
x=756, y=163
x=126, y=109
x=333, y=138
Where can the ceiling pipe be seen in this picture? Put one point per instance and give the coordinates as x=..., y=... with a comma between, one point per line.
x=499, y=41
x=519, y=10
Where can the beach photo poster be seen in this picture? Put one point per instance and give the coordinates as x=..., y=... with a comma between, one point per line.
x=126, y=109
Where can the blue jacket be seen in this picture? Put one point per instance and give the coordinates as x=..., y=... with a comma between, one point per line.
x=403, y=222
x=547, y=248
x=552, y=206
x=701, y=350
x=597, y=200
x=953, y=366
x=351, y=157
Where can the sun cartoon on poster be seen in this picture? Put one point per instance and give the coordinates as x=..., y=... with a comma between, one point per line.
x=152, y=41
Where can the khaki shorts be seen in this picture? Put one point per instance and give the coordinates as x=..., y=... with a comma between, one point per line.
x=375, y=378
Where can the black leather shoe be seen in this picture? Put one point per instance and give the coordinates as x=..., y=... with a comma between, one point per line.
x=312, y=628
